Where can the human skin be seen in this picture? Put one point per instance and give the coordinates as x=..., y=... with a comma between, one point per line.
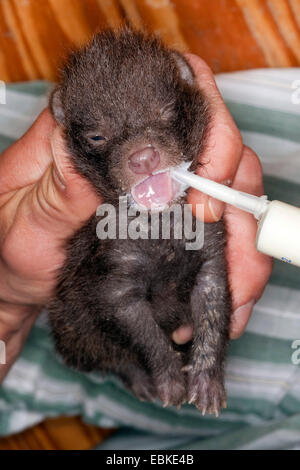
x=43, y=201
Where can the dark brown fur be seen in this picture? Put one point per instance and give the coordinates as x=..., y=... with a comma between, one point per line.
x=118, y=301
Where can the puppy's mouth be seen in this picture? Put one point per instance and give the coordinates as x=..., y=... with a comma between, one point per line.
x=157, y=191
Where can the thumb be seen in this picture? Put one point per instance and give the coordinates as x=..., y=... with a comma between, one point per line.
x=47, y=212
x=69, y=198
x=223, y=148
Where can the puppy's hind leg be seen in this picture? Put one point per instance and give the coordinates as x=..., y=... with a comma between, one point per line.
x=136, y=324
x=211, y=308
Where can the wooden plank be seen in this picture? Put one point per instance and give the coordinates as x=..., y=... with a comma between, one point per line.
x=35, y=35
x=65, y=433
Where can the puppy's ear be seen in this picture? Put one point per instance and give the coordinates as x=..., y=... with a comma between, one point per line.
x=56, y=106
x=185, y=70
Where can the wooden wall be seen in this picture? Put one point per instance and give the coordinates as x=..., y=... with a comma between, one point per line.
x=35, y=35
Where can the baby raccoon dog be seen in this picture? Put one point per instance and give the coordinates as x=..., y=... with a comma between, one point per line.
x=130, y=110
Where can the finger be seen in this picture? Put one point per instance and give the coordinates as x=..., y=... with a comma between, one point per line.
x=39, y=165
x=39, y=155
x=249, y=270
x=25, y=161
x=223, y=148
x=47, y=213
x=183, y=334
x=75, y=197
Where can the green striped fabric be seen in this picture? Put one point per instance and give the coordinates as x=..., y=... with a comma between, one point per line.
x=262, y=382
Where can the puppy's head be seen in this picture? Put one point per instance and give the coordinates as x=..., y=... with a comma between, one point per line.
x=130, y=110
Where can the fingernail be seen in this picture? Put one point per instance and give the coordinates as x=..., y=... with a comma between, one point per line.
x=227, y=182
x=216, y=208
x=244, y=309
x=241, y=316
x=57, y=173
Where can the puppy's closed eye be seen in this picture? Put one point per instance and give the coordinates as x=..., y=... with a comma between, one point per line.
x=96, y=139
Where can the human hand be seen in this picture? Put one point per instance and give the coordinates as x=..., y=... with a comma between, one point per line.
x=42, y=202
x=227, y=160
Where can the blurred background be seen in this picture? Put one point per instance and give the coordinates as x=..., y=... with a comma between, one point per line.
x=36, y=35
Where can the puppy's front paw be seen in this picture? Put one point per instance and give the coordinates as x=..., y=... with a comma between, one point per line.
x=144, y=390
x=206, y=391
x=171, y=385
x=141, y=384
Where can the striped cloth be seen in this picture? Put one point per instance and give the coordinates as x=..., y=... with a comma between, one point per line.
x=263, y=383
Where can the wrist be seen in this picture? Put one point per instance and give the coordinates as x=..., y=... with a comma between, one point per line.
x=15, y=324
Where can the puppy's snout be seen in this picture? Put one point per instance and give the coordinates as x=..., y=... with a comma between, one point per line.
x=144, y=161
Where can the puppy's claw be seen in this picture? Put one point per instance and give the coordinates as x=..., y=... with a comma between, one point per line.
x=186, y=368
x=209, y=392
x=192, y=399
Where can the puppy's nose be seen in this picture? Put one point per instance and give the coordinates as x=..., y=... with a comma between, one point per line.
x=144, y=161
